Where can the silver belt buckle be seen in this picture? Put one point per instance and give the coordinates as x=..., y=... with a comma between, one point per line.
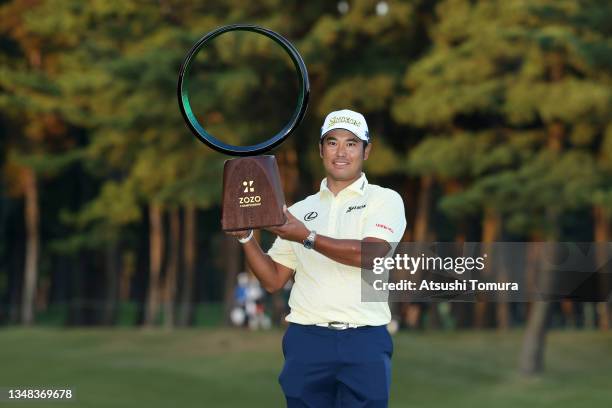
x=338, y=325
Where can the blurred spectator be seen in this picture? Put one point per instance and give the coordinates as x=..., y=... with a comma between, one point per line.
x=249, y=307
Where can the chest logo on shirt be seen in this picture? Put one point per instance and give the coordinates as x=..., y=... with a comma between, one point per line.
x=311, y=216
x=355, y=207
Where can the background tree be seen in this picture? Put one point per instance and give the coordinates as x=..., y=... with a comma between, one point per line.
x=502, y=94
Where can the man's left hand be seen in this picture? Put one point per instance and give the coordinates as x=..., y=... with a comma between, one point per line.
x=293, y=230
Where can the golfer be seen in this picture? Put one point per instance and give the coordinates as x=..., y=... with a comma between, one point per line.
x=337, y=348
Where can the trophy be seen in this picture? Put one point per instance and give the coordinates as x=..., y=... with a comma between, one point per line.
x=252, y=192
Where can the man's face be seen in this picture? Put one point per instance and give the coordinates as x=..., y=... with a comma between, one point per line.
x=343, y=155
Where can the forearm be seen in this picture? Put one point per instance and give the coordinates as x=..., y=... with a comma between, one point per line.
x=262, y=265
x=349, y=251
x=345, y=251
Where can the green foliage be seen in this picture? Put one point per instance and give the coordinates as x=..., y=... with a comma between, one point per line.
x=475, y=90
x=519, y=73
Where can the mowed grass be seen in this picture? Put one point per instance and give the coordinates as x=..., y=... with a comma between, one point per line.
x=236, y=368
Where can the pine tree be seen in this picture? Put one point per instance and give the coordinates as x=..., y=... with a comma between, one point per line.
x=516, y=101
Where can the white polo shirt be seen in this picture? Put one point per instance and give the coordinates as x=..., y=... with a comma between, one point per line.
x=326, y=290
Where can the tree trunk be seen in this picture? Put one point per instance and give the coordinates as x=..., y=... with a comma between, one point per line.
x=602, y=239
x=231, y=251
x=532, y=354
x=156, y=249
x=189, y=251
x=32, y=216
x=413, y=311
x=287, y=161
x=433, y=313
x=398, y=308
x=173, y=267
x=534, y=342
x=127, y=270
x=421, y=222
x=491, y=231
x=502, y=313
x=112, y=271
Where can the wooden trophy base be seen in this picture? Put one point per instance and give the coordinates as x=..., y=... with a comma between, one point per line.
x=252, y=194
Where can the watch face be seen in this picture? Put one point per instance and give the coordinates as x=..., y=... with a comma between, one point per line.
x=309, y=241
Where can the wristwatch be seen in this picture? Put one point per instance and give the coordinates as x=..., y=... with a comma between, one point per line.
x=310, y=240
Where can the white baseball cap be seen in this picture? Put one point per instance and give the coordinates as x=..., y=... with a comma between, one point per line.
x=346, y=119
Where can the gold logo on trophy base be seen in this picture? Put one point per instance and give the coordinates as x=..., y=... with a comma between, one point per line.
x=250, y=201
x=248, y=186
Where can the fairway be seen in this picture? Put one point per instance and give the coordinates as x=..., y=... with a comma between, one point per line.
x=235, y=368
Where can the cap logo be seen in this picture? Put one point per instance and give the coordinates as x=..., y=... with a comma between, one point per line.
x=343, y=119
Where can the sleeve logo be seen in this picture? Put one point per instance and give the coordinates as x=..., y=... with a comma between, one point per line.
x=383, y=226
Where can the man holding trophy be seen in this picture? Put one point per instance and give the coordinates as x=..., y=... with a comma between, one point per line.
x=337, y=349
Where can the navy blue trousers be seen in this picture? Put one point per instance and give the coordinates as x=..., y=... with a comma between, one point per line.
x=327, y=368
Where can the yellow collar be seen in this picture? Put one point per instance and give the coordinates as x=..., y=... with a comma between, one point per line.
x=358, y=186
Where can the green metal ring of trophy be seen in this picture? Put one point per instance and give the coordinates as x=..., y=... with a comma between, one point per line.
x=252, y=192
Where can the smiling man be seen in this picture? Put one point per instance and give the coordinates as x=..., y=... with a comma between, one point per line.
x=337, y=349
